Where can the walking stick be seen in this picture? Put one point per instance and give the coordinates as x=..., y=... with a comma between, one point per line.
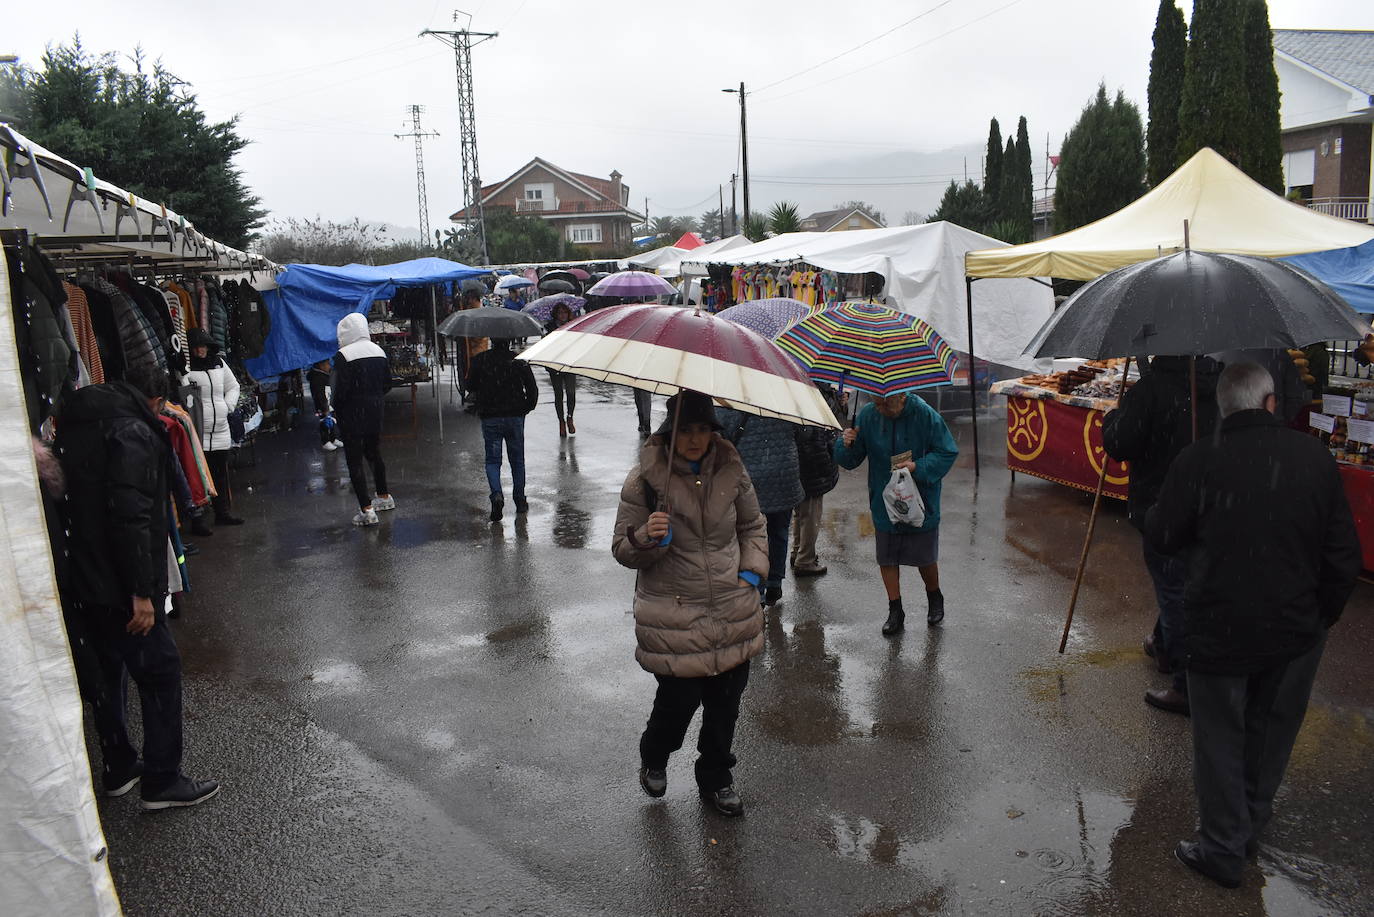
x=1092, y=522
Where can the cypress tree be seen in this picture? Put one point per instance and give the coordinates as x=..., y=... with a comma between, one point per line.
x=1264, y=149
x=1101, y=162
x=1025, y=181
x=1010, y=193
x=992, y=170
x=1166, y=90
x=1214, y=110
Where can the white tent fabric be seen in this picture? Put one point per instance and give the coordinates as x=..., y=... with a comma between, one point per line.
x=668, y=260
x=650, y=260
x=52, y=851
x=923, y=270
x=1226, y=210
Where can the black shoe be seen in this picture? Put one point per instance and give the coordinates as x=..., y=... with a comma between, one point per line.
x=1169, y=699
x=227, y=519
x=122, y=782
x=654, y=781
x=522, y=507
x=725, y=800
x=935, y=612
x=188, y=549
x=180, y=793
x=772, y=595
x=497, y=503
x=895, y=624
x=199, y=528
x=818, y=570
x=1190, y=855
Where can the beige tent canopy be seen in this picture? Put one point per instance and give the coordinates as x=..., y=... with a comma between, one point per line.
x=1226, y=212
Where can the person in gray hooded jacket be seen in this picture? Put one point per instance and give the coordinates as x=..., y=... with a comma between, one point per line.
x=361, y=378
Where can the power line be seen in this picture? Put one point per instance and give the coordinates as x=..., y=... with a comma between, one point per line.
x=831, y=60
x=857, y=184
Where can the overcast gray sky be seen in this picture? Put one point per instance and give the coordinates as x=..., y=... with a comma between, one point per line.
x=611, y=84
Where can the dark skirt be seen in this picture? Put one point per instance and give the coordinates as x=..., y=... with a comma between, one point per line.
x=908, y=549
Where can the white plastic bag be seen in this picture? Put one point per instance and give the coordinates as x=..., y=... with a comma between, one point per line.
x=903, y=500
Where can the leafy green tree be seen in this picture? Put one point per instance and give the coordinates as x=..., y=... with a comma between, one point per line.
x=1263, y=159
x=1009, y=231
x=784, y=217
x=713, y=223
x=965, y=205
x=862, y=207
x=1166, y=90
x=516, y=239
x=138, y=128
x=1214, y=107
x=1023, y=212
x=754, y=227
x=992, y=168
x=1101, y=162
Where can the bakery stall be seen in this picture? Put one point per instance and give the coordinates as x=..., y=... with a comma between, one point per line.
x=1054, y=424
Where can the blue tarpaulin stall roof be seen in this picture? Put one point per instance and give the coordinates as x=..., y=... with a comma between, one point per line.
x=311, y=298
x=1348, y=271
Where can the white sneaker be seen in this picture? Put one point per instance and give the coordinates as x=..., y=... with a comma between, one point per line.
x=380, y=503
x=330, y=446
x=365, y=517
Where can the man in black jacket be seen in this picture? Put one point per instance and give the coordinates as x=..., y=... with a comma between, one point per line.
x=1274, y=559
x=114, y=454
x=360, y=380
x=506, y=392
x=1152, y=426
x=819, y=475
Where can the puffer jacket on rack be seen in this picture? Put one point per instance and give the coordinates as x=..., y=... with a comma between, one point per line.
x=254, y=322
x=219, y=318
x=219, y=392
x=135, y=334
x=48, y=363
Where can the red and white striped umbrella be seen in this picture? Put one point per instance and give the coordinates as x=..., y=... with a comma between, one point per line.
x=665, y=349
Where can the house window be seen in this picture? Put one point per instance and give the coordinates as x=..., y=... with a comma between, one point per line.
x=584, y=233
x=854, y=223
x=539, y=196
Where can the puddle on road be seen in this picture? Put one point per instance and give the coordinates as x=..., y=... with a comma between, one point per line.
x=344, y=676
x=1048, y=685
x=517, y=631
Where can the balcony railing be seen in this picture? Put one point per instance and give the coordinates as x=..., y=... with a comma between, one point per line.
x=525, y=205
x=1347, y=208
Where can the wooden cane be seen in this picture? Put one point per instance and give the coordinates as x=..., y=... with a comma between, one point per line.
x=1092, y=522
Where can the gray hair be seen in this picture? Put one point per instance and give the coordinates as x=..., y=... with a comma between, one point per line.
x=1243, y=387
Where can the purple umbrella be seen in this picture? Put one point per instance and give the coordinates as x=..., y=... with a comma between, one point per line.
x=542, y=309
x=629, y=284
x=769, y=317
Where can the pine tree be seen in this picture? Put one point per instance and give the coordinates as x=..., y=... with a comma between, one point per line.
x=1214, y=110
x=1010, y=192
x=964, y=205
x=1025, y=181
x=1101, y=162
x=1264, y=149
x=1166, y=90
x=992, y=169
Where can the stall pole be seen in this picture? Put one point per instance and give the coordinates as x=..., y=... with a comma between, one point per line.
x=972, y=386
x=1092, y=522
x=434, y=356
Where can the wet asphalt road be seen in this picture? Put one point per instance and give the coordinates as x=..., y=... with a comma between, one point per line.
x=440, y=715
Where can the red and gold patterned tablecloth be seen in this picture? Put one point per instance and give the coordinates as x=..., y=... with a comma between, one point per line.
x=1062, y=443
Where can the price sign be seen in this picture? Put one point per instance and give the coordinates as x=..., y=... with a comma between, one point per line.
x=1324, y=422
x=1336, y=405
x=1360, y=431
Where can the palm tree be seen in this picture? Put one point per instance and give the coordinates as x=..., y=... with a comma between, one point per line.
x=784, y=217
x=754, y=227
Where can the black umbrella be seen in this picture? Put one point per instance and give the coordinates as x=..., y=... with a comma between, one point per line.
x=1193, y=303
x=569, y=276
x=490, y=322
x=556, y=286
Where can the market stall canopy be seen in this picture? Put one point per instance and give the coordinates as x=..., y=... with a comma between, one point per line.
x=1226, y=211
x=923, y=272
x=669, y=261
x=1348, y=271
x=651, y=260
x=689, y=241
x=311, y=298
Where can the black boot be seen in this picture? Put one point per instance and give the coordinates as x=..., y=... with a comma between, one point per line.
x=497, y=504
x=896, y=618
x=935, y=610
x=199, y=528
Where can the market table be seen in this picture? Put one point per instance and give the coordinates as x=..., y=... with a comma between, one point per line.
x=1059, y=437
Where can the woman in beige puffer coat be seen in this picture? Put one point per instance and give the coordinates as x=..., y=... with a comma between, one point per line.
x=698, y=620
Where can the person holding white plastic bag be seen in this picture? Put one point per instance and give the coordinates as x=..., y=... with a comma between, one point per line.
x=901, y=431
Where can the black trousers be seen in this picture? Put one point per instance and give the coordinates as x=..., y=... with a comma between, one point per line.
x=1244, y=727
x=155, y=666
x=676, y=702
x=218, y=463
x=564, y=387
x=356, y=449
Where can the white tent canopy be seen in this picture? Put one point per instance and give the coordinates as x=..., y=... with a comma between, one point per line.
x=668, y=260
x=1226, y=210
x=923, y=270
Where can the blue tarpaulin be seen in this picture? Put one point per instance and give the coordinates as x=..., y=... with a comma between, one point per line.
x=311, y=298
x=1348, y=271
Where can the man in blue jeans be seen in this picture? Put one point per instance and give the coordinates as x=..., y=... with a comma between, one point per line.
x=506, y=392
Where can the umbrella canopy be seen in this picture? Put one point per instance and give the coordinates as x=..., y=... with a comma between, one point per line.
x=631, y=284
x=870, y=347
x=1193, y=303
x=560, y=274
x=556, y=285
x=666, y=350
x=474, y=284
x=579, y=273
x=513, y=282
x=769, y=317
x=541, y=310
x=490, y=322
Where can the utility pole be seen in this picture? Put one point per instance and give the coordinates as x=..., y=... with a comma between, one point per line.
x=720, y=207
x=461, y=41
x=734, y=214
x=415, y=112
x=743, y=145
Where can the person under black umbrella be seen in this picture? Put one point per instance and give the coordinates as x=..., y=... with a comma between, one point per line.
x=506, y=392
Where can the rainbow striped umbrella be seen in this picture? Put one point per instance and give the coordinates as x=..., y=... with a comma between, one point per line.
x=870, y=347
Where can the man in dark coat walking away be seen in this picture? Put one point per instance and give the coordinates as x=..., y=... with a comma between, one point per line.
x=1150, y=428
x=115, y=455
x=819, y=475
x=506, y=392
x=1274, y=560
x=361, y=379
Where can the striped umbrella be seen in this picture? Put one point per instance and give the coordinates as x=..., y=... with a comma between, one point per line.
x=870, y=347
x=769, y=317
